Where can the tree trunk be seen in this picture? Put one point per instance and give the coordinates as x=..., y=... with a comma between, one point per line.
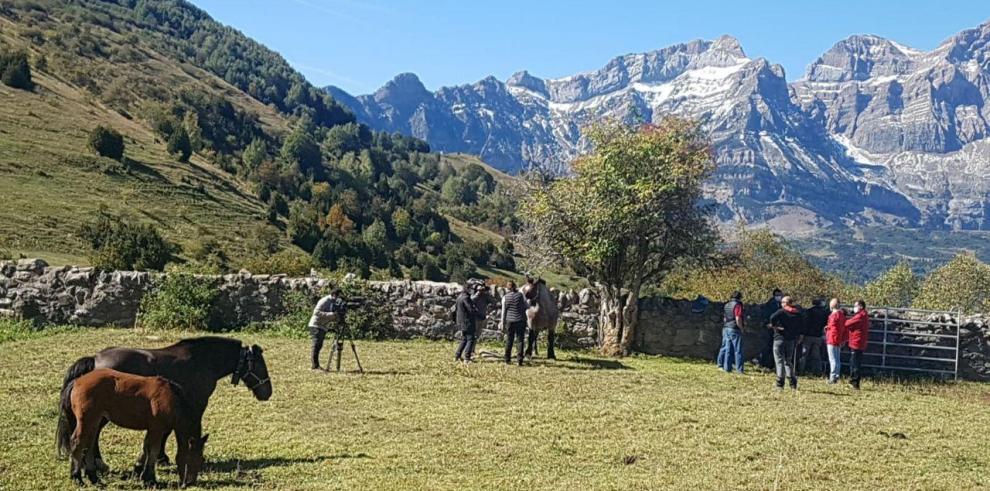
x=617, y=319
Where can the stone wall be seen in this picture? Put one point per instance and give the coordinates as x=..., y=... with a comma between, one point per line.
x=84, y=296
x=88, y=297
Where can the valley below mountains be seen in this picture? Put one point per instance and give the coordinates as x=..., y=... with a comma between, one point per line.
x=874, y=134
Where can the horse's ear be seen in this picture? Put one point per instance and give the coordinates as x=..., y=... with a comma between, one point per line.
x=255, y=348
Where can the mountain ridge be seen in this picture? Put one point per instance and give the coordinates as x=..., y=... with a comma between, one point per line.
x=881, y=125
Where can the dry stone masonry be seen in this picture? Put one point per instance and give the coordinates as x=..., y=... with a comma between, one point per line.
x=31, y=289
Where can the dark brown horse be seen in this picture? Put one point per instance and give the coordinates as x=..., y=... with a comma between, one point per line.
x=153, y=404
x=195, y=364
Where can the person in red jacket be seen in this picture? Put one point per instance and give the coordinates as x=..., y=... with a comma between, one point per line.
x=835, y=337
x=859, y=331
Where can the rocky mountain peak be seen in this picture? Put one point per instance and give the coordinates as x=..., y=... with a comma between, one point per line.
x=405, y=86
x=861, y=57
x=969, y=45
x=728, y=45
x=527, y=81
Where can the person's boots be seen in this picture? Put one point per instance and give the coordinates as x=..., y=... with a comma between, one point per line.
x=794, y=383
x=780, y=384
x=550, y=338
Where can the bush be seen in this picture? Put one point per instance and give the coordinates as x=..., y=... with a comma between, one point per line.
x=180, y=145
x=760, y=262
x=180, y=301
x=15, y=71
x=123, y=246
x=895, y=288
x=963, y=283
x=107, y=142
x=371, y=320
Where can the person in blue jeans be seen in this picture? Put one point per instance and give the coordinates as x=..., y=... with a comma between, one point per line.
x=732, y=326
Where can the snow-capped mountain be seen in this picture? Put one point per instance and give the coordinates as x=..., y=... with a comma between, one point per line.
x=875, y=132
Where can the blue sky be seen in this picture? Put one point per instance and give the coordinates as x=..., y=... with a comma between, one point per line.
x=360, y=44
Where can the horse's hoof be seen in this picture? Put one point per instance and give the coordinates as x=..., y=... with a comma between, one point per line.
x=163, y=460
x=93, y=477
x=102, y=467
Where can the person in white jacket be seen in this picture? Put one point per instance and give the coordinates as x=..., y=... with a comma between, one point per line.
x=328, y=312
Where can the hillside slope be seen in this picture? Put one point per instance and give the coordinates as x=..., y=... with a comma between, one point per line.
x=51, y=182
x=268, y=150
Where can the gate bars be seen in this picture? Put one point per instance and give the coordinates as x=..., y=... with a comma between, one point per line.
x=900, y=345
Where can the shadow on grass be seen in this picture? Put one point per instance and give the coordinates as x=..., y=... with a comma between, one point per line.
x=368, y=372
x=244, y=465
x=581, y=363
x=825, y=392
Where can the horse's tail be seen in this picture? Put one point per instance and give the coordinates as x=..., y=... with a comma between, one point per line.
x=67, y=420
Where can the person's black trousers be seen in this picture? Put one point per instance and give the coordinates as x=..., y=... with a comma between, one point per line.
x=855, y=362
x=516, y=330
x=466, y=348
x=317, y=335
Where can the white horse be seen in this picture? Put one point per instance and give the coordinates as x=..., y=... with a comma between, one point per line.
x=542, y=314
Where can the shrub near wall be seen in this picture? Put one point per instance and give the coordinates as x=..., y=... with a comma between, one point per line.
x=371, y=320
x=180, y=301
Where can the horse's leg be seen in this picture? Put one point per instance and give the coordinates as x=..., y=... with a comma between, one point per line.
x=76, y=451
x=83, y=457
x=152, y=444
x=531, y=344
x=551, y=335
x=162, y=456
x=97, y=455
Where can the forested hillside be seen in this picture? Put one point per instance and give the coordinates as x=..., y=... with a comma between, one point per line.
x=228, y=153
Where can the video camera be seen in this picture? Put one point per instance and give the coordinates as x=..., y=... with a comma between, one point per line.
x=354, y=302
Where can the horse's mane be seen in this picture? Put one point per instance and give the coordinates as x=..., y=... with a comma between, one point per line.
x=188, y=408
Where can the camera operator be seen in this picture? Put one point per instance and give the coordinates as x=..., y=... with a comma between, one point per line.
x=328, y=313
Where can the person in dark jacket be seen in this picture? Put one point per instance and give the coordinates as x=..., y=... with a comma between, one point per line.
x=732, y=325
x=812, y=343
x=858, y=327
x=514, y=306
x=786, y=324
x=769, y=308
x=466, y=315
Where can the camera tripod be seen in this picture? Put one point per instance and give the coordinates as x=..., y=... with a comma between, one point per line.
x=342, y=333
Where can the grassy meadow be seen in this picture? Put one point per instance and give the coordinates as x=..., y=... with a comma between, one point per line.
x=416, y=420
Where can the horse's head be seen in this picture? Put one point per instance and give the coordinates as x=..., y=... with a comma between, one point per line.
x=251, y=368
x=189, y=461
x=531, y=289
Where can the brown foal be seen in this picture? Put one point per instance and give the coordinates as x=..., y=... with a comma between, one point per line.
x=152, y=404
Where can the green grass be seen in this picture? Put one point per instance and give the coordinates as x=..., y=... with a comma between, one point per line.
x=418, y=421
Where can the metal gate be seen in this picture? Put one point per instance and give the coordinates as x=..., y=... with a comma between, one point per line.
x=913, y=340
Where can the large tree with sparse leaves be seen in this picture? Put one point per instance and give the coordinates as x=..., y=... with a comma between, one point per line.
x=626, y=216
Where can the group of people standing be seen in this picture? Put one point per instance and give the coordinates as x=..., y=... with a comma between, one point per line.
x=797, y=337
x=513, y=320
